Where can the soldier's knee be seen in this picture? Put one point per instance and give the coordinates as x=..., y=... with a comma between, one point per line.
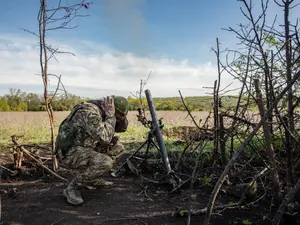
x=118, y=148
x=122, y=147
x=107, y=162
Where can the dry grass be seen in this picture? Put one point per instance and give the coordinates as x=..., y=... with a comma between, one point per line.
x=35, y=125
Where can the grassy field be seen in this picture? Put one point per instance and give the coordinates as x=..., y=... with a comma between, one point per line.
x=32, y=197
x=35, y=125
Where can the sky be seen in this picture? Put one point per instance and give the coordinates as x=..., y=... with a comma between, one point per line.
x=118, y=44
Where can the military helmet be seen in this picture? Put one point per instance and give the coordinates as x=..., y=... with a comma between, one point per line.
x=121, y=105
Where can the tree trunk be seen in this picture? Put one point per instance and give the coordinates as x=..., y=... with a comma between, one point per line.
x=268, y=141
x=216, y=126
x=44, y=70
x=222, y=140
x=290, y=113
x=289, y=197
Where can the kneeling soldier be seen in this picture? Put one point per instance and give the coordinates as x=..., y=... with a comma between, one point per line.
x=86, y=144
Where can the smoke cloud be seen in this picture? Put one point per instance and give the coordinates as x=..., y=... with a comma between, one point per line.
x=126, y=23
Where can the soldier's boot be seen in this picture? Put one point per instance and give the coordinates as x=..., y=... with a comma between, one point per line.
x=99, y=182
x=73, y=194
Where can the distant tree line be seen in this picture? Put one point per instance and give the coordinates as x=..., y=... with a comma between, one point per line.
x=17, y=100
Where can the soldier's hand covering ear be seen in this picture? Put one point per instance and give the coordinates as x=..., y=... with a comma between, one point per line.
x=109, y=107
x=121, y=125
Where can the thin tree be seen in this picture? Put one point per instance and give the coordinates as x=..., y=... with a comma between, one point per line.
x=52, y=19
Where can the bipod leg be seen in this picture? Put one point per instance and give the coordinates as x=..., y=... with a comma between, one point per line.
x=146, y=154
x=158, y=149
x=115, y=173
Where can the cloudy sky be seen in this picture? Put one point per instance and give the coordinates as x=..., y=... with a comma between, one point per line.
x=118, y=44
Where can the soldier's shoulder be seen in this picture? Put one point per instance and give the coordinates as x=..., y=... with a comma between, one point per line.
x=88, y=113
x=90, y=107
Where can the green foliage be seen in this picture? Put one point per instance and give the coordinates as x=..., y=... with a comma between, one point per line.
x=205, y=180
x=246, y=222
x=17, y=100
x=271, y=39
x=194, y=103
x=4, y=106
x=33, y=101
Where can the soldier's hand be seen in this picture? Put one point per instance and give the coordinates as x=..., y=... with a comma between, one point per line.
x=109, y=106
x=114, y=140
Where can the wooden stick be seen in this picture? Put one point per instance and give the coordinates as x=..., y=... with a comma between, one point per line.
x=268, y=141
x=222, y=141
x=28, y=154
x=3, y=167
x=189, y=112
x=289, y=197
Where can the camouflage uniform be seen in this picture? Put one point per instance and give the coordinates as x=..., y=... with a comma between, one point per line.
x=86, y=145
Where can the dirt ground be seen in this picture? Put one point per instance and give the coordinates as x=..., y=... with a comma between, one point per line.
x=38, y=199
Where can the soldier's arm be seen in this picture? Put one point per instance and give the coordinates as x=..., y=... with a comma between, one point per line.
x=99, y=129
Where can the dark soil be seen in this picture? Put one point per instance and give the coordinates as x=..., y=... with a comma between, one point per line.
x=36, y=198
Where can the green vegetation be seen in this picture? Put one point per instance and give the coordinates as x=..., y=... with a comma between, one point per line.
x=17, y=100
x=35, y=126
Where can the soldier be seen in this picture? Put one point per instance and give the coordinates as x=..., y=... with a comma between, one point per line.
x=86, y=143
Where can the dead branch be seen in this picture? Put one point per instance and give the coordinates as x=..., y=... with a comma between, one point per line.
x=239, y=102
x=59, y=82
x=4, y=168
x=139, y=95
x=222, y=140
x=216, y=124
x=28, y=154
x=189, y=112
x=241, y=149
x=195, y=212
x=268, y=141
x=184, y=151
x=238, y=119
x=216, y=106
x=289, y=197
x=193, y=178
x=249, y=185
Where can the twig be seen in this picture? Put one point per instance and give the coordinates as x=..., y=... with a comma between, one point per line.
x=185, y=106
x=258, y=175
x=238, y=119
x=285, y=202
x=3, y=167
x=184, y=151
x=58, y=220
x=268, y=141
x=204, y=210
x=28, y=154
x=216, y=124
x=202, y=146
x=145, y=192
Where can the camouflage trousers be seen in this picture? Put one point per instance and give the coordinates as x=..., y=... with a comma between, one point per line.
x=88, y=165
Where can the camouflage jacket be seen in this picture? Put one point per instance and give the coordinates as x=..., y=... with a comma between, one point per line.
x=85, y=126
